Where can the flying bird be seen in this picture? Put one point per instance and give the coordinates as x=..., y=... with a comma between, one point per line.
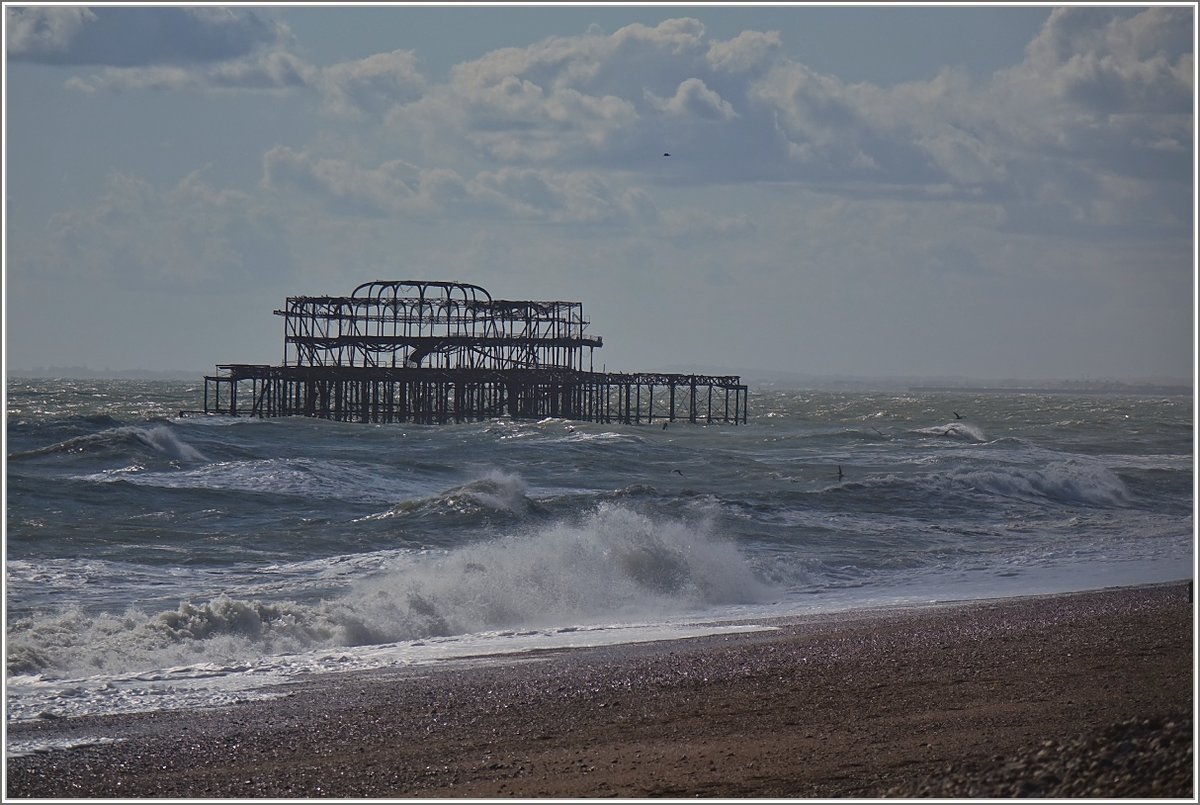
x=957, y=415
x=666, y=155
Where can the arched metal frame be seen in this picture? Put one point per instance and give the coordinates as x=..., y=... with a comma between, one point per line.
x=438, y=352
x=434, y=325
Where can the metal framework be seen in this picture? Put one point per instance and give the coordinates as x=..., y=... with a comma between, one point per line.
x=438, y=352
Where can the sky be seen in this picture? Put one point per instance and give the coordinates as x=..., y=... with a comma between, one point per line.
x=975, y=191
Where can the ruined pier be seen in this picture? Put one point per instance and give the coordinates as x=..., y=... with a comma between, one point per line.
x=439, y=352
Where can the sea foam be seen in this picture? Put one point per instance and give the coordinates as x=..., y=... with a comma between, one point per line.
x=612, y=564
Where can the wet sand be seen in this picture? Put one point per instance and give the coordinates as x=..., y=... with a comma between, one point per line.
x=1087, y=694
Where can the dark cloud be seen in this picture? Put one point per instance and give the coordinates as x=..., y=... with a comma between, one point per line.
x=134, y=37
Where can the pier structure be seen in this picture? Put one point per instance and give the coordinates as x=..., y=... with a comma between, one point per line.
x=439, y=352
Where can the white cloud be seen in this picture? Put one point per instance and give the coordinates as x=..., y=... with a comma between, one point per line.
x=391, y=188
x=1098, y=97
x=1094, y=85
x=1093, y=100
x=570, y=197
x=1093, y=129
x=274, y=70
x=186, y=236
x=355, y=89
x=694, y=99
x=371, y=85
x=590, y=99
x=1086, y=65
x=398, y=189
x=749, y=50
x=509, y=117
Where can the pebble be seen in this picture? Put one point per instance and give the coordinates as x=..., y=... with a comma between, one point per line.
x=1143, y=757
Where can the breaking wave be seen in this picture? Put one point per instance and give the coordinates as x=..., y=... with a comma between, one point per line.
x=613, y=564
x=1067, y=482
x=158, y=440
x=1070, y=482
x=497, y=491
x=955, y=430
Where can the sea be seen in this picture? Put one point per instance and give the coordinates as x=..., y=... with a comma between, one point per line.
x=155, y=561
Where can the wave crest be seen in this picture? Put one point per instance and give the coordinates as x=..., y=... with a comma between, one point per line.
x=1071, y=482
x=613, y=564
x=158, y=440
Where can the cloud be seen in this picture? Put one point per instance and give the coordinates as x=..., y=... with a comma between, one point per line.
x=390, y=189
x=1093, y=126
x=1105, y=64
x=398, y=189
x=170, y=49
x=748, y=51
x=693, y=99
x=42, y=33
x=594, y=99
x=1093, y=129
x=560, y=197
x=1097, y=121
x=354, y=89
x=372, y=85
x=275, y=70
x=134, y=37
x=188, y=236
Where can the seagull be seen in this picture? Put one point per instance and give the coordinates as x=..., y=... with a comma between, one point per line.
x=840, y=474
x=666, y=154
x=957, y=415
x=680, y=473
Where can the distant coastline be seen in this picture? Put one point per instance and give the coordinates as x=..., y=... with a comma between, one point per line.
x=1099, y=388
x=951, y=383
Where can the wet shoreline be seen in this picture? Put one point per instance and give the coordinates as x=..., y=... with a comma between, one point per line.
x=970, y=699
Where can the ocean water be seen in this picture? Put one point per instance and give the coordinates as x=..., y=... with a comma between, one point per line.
x=154, y=561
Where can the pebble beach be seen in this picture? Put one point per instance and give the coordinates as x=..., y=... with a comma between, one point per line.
x=1072, y=695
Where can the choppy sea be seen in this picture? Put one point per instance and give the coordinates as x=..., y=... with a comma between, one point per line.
x=154, y=561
